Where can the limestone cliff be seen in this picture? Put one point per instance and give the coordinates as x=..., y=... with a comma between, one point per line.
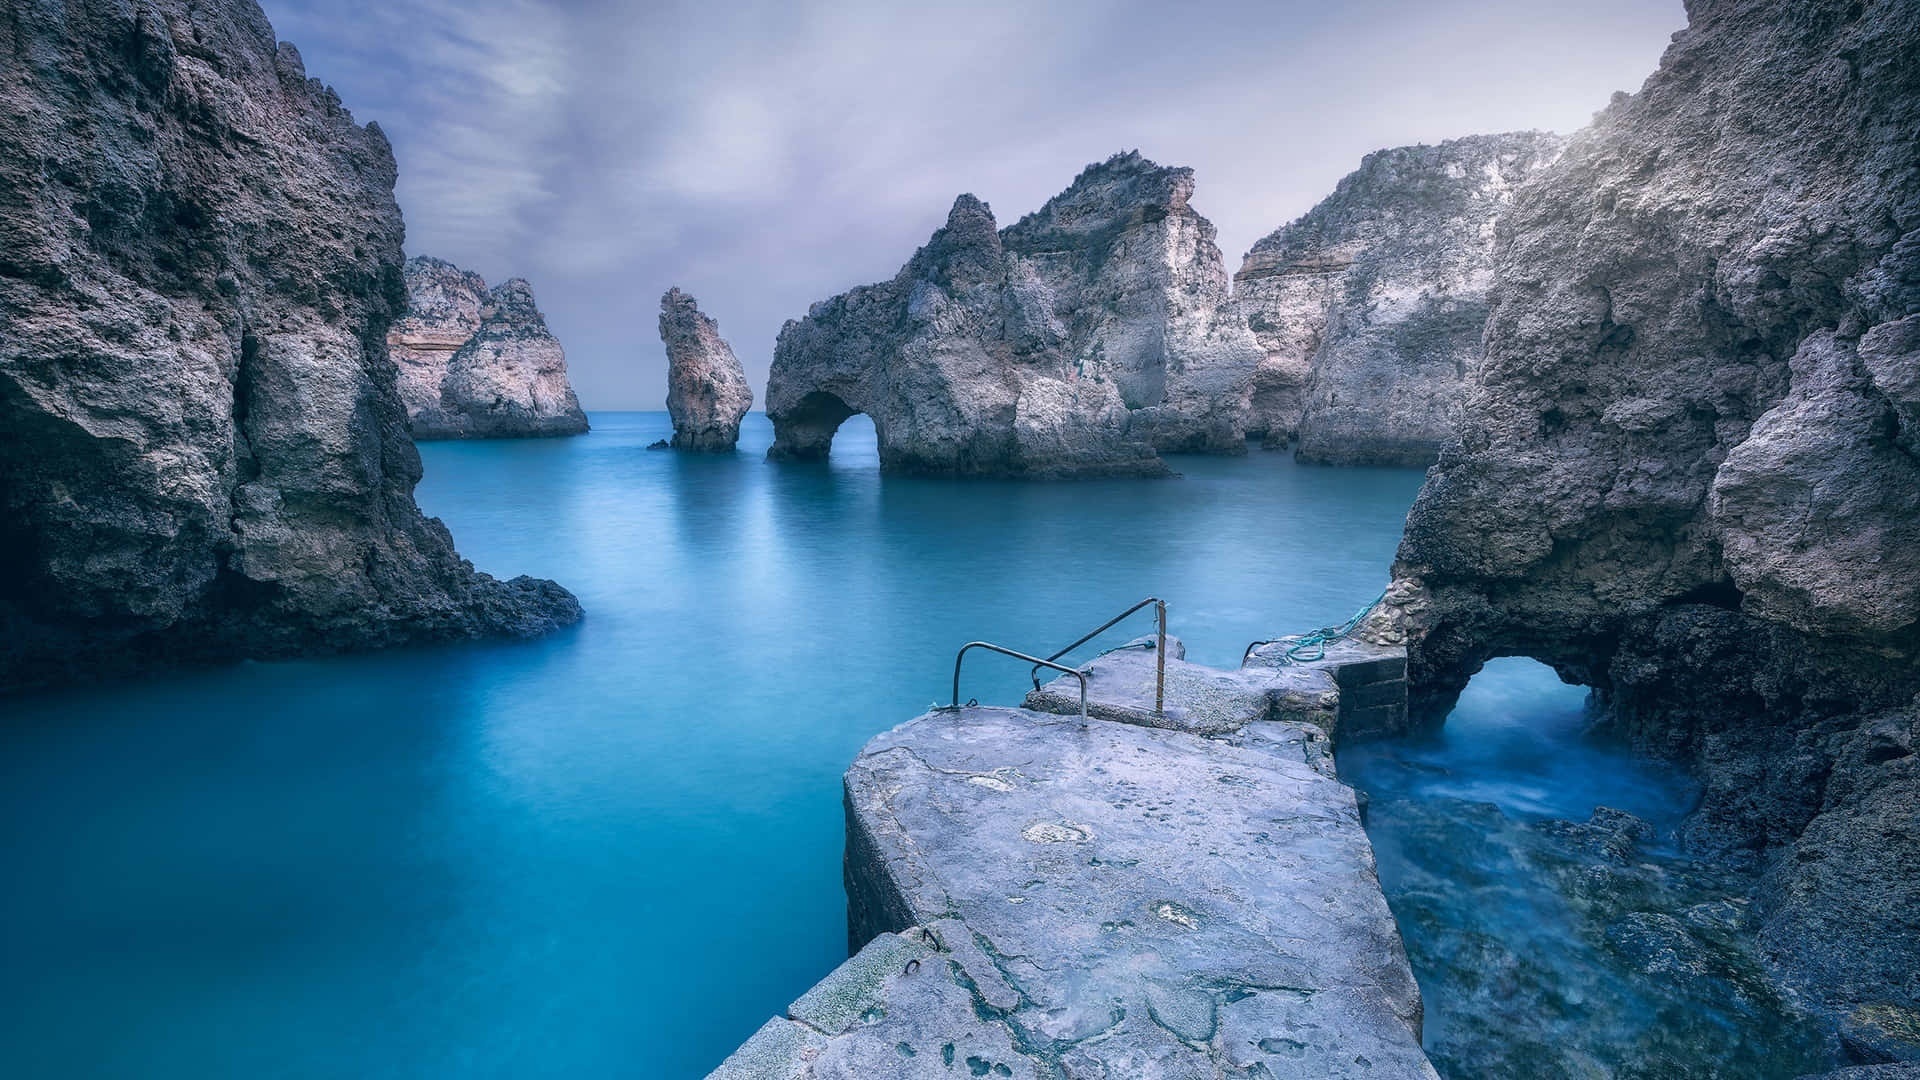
x=1073, y=343
x=707, y=391
x=1687, y=476
x=1370, y=306
x=205, y=452
x=479, y=363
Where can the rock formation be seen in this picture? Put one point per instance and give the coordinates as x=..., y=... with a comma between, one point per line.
x=479, y=363
x=205, y=454
x=707, y=391
x=1688, y=469
x=1075, y=342
x=1370, y=306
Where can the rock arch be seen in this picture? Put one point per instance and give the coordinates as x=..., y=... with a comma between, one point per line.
x=805, y=431
x=1075, y=342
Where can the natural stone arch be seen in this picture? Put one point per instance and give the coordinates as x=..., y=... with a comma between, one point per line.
x=805, y=431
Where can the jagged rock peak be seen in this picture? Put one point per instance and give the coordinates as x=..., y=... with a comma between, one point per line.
x=1074, y=342
x=479, y=363
x=1126, y=179
x=1685, y=473
x=707, y=390
x=206, y=454
x=1369, y=306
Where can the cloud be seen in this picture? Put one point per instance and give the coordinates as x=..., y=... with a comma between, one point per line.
x=764, y=155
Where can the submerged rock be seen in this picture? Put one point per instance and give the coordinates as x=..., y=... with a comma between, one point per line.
x=707, y=391
x=1369, y=307
x=206, y=455
x=479, y=363
x=1074, y=342
x=1686, y=476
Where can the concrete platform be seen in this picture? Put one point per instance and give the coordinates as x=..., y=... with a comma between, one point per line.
x=1109, y=900
x=1356, y=690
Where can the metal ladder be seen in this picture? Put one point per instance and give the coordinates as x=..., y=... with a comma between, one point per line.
x=1038, y=662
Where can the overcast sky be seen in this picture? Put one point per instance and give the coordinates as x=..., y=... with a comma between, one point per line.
x=765, y=155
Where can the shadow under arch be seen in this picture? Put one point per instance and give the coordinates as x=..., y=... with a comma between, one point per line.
x=805, y=432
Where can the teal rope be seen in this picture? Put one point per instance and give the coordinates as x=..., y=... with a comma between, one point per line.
x=1313, y=646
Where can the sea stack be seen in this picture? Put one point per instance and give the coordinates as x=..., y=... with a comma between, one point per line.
x=707, y=391
x=206, y=455
x=1688, y=470
x=1369, y=307
x=1076, y=342
x=479, y=363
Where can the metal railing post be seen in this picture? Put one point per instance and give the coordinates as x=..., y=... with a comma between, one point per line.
x=1160, y=662
x=1160, y=648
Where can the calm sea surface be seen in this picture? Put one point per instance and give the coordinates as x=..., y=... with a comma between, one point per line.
x=616, y=851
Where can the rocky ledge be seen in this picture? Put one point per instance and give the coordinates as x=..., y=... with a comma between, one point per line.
x=707, y=391
x=206, y=454
x=1369, y=307
x=479, y=363
x=1688, y=471
x=1075, y=342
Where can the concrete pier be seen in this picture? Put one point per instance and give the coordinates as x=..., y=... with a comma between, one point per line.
x=1178, y=894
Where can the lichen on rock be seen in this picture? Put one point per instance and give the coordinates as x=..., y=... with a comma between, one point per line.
x=206, y=452
x=707, y=390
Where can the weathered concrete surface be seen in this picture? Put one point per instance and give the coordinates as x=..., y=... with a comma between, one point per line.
x=1127, y=901
x=902, y=1006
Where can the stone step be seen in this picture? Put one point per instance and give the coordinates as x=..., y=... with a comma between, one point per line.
x=1355, y=690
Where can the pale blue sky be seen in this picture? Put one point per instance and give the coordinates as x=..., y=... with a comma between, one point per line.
x=766, y=155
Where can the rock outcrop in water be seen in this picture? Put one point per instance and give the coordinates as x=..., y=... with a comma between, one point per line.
x=1369, y=308
x=479, y=363
x=1074, y=342
x=707, y=391
x=1688, y=472
x=205, y=454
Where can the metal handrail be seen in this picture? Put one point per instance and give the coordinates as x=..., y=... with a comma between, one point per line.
x=1159, y=649
x=1034, y=660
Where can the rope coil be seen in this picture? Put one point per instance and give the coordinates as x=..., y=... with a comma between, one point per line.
x=1311, y=646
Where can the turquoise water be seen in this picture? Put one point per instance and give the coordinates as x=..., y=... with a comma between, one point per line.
x=1540, y=950
x=616, y=851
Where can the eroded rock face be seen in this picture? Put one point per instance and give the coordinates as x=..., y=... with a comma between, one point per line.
x=1073, y=343
x=205, y=451
x=707, y=391
x=1369, y=308
x=1686, y=471
x=479, y=363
